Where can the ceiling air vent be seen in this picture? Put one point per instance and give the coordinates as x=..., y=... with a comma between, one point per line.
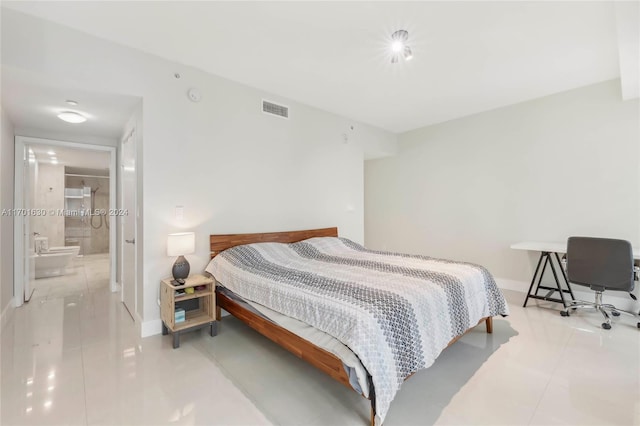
x=275, y=109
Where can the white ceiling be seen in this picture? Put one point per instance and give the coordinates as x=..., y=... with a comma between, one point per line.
x=72, y=157
x=468, y=56
x=33, y=103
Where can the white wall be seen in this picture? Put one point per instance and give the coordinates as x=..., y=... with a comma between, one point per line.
x=378, y=145
x=562, y=165
x=6, y=202
x=233, y=168
x=49, y=195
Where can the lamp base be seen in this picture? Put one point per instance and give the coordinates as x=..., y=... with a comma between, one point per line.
x=180, y=269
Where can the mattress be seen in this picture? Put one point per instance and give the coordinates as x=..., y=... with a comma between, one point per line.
x=396, y=312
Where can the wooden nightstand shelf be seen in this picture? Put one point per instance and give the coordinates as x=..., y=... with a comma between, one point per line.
x=200, y=306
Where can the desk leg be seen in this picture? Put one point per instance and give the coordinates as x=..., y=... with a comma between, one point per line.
x=539, y=274
x=533, y=280
x=555, y=277
x=544, y=255
x=564, y=275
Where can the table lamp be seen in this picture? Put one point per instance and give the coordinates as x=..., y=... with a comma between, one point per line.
x=179, y=244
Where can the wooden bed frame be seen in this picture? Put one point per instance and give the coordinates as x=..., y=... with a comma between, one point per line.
x=314, y=355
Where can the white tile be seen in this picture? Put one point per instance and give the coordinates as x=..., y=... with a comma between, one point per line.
x=604, y=364
x=537, y=368
x=73, y=356
x=571, y=405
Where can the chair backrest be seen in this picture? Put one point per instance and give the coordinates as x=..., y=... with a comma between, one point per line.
x=600, y=263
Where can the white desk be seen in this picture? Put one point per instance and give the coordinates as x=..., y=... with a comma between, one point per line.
x=548, y=252
x=553, y=247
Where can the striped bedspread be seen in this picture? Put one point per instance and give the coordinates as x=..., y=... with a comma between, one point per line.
x=396, y=312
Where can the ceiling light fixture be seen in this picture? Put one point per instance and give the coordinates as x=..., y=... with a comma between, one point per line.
x=71, y=102
x=72, y=117
x=399, y=45
x=408, y=54
x=51, y=153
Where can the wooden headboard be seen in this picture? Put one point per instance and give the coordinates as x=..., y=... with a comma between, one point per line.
x=217, y=243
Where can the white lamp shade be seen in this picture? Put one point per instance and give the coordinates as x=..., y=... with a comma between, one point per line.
x=181, y=243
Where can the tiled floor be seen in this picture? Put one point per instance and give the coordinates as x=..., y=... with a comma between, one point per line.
x=86, y=273
x=72, y=356
x=537, y=368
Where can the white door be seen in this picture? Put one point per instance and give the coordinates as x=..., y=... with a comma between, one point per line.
x=29, y=232
x=128, y=193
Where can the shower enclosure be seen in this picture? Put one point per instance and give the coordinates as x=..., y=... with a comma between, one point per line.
x=86, y=207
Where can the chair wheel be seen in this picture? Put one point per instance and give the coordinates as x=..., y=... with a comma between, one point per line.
x=638, y=325
x=564, y=313
x=615, y=313
x=606, y=326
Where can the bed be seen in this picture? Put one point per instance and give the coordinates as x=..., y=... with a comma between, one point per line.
x=368, y=319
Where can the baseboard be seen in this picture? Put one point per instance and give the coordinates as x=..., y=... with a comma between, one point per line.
x=507, y=284
x=619, y=299
x=150, y=328
x=6, y=315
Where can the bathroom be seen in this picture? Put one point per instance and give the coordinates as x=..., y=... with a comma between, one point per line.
x=70, y=191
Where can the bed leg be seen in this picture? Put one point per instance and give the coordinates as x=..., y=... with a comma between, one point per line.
x=373, y=415
x=218, y=313
x=489, y=324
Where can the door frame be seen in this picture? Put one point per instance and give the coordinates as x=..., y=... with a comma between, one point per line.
x=131, y=133
x=21, y=142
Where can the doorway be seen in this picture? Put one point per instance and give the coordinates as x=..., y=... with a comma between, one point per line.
x=68, y=231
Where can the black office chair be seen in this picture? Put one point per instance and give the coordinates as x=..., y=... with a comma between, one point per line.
x=601, y=264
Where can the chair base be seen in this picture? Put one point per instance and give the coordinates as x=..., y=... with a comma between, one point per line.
x=604, y=308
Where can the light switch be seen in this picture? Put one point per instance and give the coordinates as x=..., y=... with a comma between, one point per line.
x=179, y=212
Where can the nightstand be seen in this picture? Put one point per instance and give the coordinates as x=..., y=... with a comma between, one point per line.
x=199, y=306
